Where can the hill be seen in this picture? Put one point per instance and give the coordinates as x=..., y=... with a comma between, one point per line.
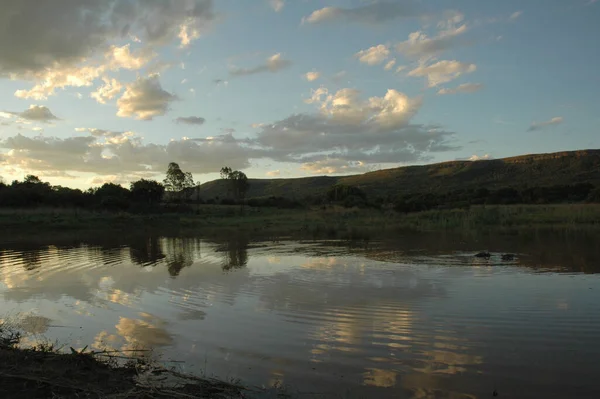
x=535, y=170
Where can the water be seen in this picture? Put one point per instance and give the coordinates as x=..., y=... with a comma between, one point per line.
x=414, y=317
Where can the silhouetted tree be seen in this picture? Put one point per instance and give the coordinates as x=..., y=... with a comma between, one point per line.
x=594, y=196
x=147, y=191
x=339, y=193
x=112, y=197
x=238, y=183
x=31, y=179
x=177, y=181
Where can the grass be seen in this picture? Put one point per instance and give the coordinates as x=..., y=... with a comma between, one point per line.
x=316, y=223
x=44, y=372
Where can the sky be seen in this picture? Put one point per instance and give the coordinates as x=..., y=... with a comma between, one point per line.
x=95, y=91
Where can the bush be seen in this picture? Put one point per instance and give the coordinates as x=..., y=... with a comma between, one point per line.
x=594, y=196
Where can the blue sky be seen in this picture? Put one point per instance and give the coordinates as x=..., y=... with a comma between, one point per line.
x=96, y=91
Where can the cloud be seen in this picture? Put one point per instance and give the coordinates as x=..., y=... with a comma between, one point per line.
x=374, y=55
x=374, y=13
x=420, y=45
x=110, y=89
x=115, y=58
x=463, y=88
x=515, y=15
x=541, y=125
x=346, y=132
x=277, y=5
x=331, y=166
x=191, y=120
x=273, y=173
x=338, y=76
x=36, y=113
x=104, y=153
x=390, y=65
x=480, y=158
x=144, y=99
x=376, y=129
x=312, y=76
x=442, y=71
x=273, y=64
x=59, y=78
x=33, y=49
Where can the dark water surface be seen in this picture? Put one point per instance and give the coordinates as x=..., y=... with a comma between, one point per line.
x=416, y=316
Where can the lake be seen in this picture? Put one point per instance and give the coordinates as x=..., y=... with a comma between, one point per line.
x=415, y=316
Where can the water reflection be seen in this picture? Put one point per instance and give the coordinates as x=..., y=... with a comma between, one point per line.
x=414, y=318
x=235, y=252
x=180, y=253
x=142, y=334
x=145, y=250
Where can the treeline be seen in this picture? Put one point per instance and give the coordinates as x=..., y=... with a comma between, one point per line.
x=349, y=196
x=178, y=192
x=574, y=193
x=142, y=195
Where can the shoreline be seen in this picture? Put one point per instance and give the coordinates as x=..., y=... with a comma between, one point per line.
x=44, y=372
x=350, y=224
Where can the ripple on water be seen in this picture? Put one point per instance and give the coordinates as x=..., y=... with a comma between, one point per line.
x=382, y=323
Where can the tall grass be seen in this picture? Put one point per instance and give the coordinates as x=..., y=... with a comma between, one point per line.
x=316, y=223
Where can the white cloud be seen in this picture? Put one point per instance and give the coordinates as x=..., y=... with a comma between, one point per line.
x=330, y=166
x=374, y=13
x=515, y=15
x=277, y=5
x=420, y=45
x=390, y=65
x=373, y=130
x=110, y=89
x=480, y=158
x=274, y=63
x=541, y=125
x=191, y=120
x=188, y=32
x=144, y=99
x=442, y=71
x=273, y=173
x=35, y=113
x=374, y=55
x=123, y=58
x=312, y=76
x=463, y=88
x=59, y=78
x=115, y=58
x=108, y=153
x=33, y=49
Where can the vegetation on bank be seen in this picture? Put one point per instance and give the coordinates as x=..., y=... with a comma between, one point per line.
x=47, y=372
x=335, y=222
x=337, y=211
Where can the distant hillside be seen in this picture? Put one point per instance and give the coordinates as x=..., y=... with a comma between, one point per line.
x=523, y=171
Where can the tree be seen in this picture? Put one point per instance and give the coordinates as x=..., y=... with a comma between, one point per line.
x=31, y=179
x=177, y=181
x=238, y=183
x=225, y=171
x=594, y=196
x=112, y=197
x=149, y=191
